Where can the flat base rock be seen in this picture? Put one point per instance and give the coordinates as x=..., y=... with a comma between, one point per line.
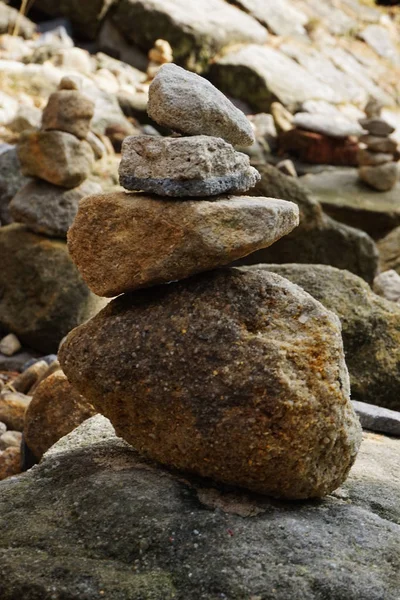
x=347, y=199
x=194, y=166
x=43, y=296
x=48, y=209
x=267, y=405
x=113, y=243
x=122, y=528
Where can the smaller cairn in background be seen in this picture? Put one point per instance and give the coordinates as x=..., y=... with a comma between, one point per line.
x=378, y=153
x=159, y=55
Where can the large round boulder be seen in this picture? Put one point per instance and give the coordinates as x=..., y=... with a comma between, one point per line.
x=237, y=376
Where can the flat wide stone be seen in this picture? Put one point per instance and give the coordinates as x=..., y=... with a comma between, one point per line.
x=121, y=242
x=189, y=103
x=187, y=166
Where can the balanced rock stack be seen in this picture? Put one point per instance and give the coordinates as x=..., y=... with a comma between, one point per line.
x=378, y=155
x=43, y=296
x=233, y=374
x=60, y=159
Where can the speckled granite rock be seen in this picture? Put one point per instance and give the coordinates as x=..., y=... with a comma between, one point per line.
x=371, y=329
x=189, y=103
x=219, y=375
x=192, y=539
x=55, y=410
x=70, y=111
x=118, y=230
x=55, y=156
x=48, y=209
x=187, y=166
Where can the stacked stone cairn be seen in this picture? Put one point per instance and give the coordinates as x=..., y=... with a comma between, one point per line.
x=43, y=295
x=60, y=160
x=378, y=155
x=233, y=374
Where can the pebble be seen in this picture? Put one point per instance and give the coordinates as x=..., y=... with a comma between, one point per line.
x=10, y=345
x=12, y=409
x=367, y=158
x=377, y=418
x=10, y=439
x=69, y=111
x=377, y=127
x=10, y=462
x=55, y=156
x=282, y=117
x=26, y=380
x=184, y=166
x=387, y=284
x=189, y=103
x=382, y=178
x=379, y=144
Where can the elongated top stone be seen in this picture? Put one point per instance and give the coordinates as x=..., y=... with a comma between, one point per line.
x=121, y=242
x=190, y=104
x=185, y=166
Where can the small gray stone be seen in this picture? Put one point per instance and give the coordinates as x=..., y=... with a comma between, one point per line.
x=382, y=177
x=188, y=166
x=10, y=345
x=377, y=126
x=372, y=159
x=48, y=209
x=387, y=285
x=11, y=180
x=328, y=124
x=377, y=418
x=189, y=103
x=375, y=143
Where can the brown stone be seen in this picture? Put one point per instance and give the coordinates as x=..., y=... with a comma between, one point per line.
x=373, y=158
x=121, y=242
x=70, y=111
x=56, y=409
x=10, y=462
x=239, y=376
x=12, y=409
x=316, y=148
x=56, y=157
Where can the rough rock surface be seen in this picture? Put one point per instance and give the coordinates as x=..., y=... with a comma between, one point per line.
x=189, y=166
x=13, y=406
x=318, y=238
x=86, y=16
x=382, y=177
x=347, y=199
x=55, y=156
x=69, y=111
x=48, y=209
x=43, y=296
x=387, y=284
x=263, y=409
x=55, y=410
x=10, y=462
x=189, y=103
x=377, y=418
x=255, y=73
x=112, y=239
x=327, y=124
x=282, y=18
x=192, y=540
x=370, y=329
x=196, y=32
x=11, y=180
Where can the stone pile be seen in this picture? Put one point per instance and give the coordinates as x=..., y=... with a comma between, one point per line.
x=378, y=155
x=43, y=296
x=60, y=160
x=234, y=375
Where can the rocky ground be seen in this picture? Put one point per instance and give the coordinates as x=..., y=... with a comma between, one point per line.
x=279, y=167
